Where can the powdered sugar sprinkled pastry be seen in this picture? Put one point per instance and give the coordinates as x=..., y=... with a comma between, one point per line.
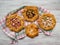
x=47, y=21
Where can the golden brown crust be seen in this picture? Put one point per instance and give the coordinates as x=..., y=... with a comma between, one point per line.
x=47, y=21
x=30, y=13
x=14, y=22
x=31, y=30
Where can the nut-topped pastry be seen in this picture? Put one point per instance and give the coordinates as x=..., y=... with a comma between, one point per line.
x=47, y=21
x=31, y=30
x=14, y=22
x=30, y=13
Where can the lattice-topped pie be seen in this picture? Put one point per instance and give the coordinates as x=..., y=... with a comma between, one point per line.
x=14, y=22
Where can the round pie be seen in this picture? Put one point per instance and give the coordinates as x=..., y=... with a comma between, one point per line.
x=47, y=21
x=31, y=30
x=14, y=22
x=30, y=13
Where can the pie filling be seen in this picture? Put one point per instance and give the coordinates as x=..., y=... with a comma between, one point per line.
x=30, y=13
x=15, y=22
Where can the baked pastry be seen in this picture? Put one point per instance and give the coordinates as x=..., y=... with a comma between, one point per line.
x=47, y=21
x=30, y=13
x=14, y=22
x=31, y=30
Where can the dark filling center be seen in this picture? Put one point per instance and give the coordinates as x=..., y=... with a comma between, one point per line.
x=45, y=18
x=30, y=13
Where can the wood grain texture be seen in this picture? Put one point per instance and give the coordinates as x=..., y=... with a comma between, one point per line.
x=52, y=5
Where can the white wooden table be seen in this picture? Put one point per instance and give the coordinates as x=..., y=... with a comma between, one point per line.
x=52, y=5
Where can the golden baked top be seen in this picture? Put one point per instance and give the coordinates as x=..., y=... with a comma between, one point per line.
x=47, y=21
x=31, y=30
x=30, y=13
x=14, y=22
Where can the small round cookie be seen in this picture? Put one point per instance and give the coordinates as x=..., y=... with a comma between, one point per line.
x=30, y=13
x=14, y=22
x=31, y=30
x=47, y=21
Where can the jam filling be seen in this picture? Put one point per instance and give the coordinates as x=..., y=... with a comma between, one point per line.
x=30, y=13
x=15, y=22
